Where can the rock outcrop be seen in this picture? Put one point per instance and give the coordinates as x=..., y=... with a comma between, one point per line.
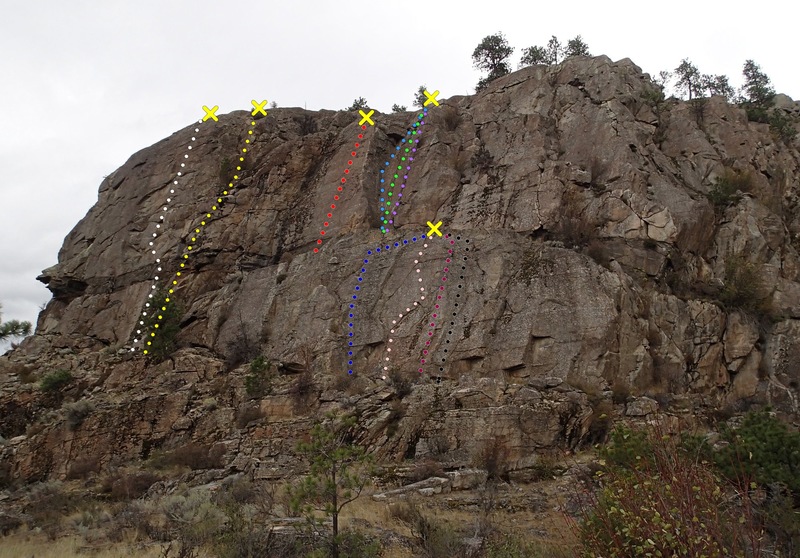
x=583, y=273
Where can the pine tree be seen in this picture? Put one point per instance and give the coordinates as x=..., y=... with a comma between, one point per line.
x=419, y=98
x=13, y=328
x=358, y=104
x=533, y=55
x=576, y=47
x=688, y=79
x=554, y=50
x=338, y=473
x=758, y=92
x=491, y=55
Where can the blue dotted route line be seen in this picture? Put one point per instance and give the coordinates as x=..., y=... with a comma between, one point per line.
x=404, y=158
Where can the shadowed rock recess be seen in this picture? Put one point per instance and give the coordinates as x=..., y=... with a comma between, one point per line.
x=588, y=273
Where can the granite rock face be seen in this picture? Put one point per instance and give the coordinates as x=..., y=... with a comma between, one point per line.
x=582, y=269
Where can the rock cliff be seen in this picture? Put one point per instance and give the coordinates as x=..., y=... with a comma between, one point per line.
x=583, y=273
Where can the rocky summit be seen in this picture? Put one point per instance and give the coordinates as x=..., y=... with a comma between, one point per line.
x=603, y=253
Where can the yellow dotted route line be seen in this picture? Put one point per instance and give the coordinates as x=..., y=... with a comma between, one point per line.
x=185, y=256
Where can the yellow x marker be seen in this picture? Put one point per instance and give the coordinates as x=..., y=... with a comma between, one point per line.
x=210, y=113
x=366, y=117
x=431, y=98
x=259, y=107
x=434, y=228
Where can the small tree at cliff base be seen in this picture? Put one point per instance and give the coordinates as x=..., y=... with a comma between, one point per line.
x=339, y=471
x=163, y=326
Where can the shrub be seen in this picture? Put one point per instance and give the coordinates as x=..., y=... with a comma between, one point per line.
x=82, y=467
x=76, y=412
x=782, y=126
x=743, y=287
x=193, y=455
x=438, y=445
x=55, y=381
x=451, y=119
x=129, y=486
x=47, y=503
x=482, y=160
x=545, y=468
x=725, y=190
x=492, y=456
x=358, y=104
x=573, y=228
x=6, y=477
x=665, y=504
x=401, y=382
x=762, y=448
x=599, y=421
x=507, y=545
x=258, y=382
x=163, y=320
x=627, y=448
x=598, y=252
x=354, y=544
x=199, y=456
x=435, y=538
x=425, y=469
x=302, y=387
x=248, y=414
x=191, y=520
x=306, y=124
x=225, y=170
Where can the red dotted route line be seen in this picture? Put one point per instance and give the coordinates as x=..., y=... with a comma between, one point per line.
x=340, y=188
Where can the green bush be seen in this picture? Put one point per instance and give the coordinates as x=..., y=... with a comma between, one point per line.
x=76, y=412
x=627, y=448
x=258, y=382
x=724, y=191
x=658, y=501
x=435, y=537
x=743, y=287
x=55, y=381
x=6, y=477
x=358, y=104
x=764, y=449
x=782, y=125
x=163, y=326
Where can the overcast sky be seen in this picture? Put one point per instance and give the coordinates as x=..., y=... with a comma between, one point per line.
x=85, y=84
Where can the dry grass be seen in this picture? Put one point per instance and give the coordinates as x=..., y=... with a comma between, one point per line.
x=25, y=544
x=445, y=509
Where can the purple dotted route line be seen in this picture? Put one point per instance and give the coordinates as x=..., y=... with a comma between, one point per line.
x=404, y=158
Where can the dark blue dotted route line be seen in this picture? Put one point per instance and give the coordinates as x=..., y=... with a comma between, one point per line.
x=359, y=281
x=436, y=312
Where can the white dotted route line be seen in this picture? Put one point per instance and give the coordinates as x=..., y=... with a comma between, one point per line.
x=155, y=236
x=401, y=315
